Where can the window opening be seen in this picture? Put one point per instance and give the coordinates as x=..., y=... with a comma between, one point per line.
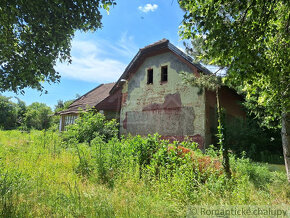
x=164, y=74
x=150, y=76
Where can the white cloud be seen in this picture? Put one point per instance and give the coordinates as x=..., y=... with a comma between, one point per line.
x=85, y=47
x=92, y=69
x=99, y=60
x=125, y=46
x=148, y=7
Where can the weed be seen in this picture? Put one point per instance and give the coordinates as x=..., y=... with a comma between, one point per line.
x=43, y=176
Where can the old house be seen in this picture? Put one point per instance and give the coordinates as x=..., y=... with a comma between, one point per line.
x=150, y=97
x=99, y=99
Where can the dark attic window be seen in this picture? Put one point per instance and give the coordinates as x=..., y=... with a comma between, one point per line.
x=164, y=74
x=150, y=76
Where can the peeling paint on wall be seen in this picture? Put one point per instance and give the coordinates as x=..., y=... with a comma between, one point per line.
x=125, y=121
x=170, y=109
x=175, y=122
x=172, y=101
x=124, y=98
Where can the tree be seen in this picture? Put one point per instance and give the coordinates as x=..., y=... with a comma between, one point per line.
x=21, y=107
x=38, y=116
x=8, y=113
x=34, y=35
x=11, y=114
x=62, y=105
x=251, y=39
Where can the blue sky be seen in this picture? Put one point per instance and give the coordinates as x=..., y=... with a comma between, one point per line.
x=102, y=56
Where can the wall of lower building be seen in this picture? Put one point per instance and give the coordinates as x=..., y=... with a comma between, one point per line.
x=66, y=119
x=230, y=101
x=112, y=115
x=172, y=109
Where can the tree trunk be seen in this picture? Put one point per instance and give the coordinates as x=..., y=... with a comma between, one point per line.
x=285, y=132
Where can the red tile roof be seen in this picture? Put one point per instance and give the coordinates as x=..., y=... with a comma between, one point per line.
x=90, y=99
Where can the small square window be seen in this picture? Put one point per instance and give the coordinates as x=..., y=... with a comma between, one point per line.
x=150, y=76
x=164, y=74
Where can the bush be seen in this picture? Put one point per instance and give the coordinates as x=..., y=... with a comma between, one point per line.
x=143, y=149
x=89, y=125
x=257, y=173
x=260, y=144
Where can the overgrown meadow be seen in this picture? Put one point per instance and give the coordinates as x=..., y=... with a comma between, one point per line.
x=46, y=173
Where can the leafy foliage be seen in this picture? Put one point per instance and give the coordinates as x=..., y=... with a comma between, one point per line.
x=35, y=35
x=62, y=105
x=210, y=82
x=8, y=113
x=259, y=144
x=144, y=149
x=250, y=39
x=37, y=116
x=89, y=125
x=11, y=114
x=18, y=115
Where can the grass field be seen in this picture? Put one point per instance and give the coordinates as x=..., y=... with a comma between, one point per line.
x=41, y=175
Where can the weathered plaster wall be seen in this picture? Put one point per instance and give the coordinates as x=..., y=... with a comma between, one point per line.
x=172, y=109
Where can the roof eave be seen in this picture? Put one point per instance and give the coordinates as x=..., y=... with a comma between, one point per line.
x=161, y=45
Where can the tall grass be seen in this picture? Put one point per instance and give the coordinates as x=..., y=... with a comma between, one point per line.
x=42, y=175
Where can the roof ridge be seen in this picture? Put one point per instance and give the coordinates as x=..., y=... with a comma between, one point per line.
x=84, y=95
x=181, y=53
x=90, y=98
x=161, y=44
x=164, y=40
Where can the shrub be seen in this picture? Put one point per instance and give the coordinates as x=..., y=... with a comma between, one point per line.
x=257, y=173
x=260, y=144
x=145, y=148
x=89, y=125
x=38, y=116
x=108, y=158
x=84, y=168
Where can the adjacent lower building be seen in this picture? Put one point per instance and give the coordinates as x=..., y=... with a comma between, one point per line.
x=98, y=99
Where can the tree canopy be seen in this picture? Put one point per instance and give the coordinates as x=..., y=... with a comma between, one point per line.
x=8, y=113
x=251, y=39
x=18, y=115
x=38, y=116
x=34, y=35
x=62, y=105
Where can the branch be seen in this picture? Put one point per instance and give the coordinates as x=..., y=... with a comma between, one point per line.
x=218, y=70
x=246, y=12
